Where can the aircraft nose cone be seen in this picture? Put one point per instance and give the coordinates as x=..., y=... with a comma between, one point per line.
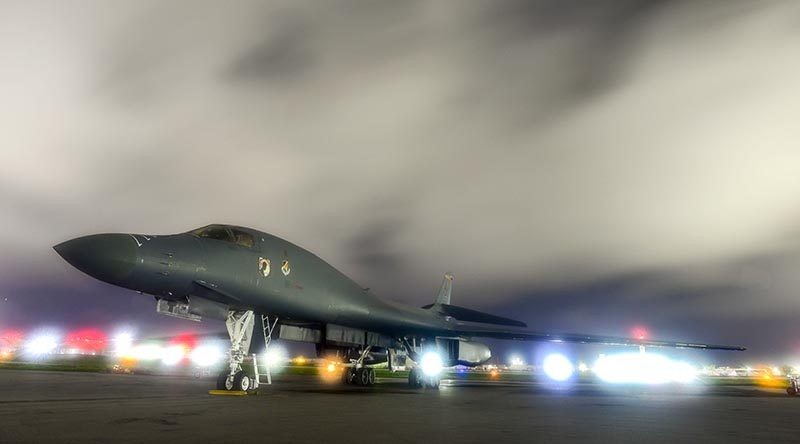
x=108, y=257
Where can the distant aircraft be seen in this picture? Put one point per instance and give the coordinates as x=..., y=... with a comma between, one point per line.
x=233, y=273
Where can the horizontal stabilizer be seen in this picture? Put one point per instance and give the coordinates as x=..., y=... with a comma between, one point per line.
x=468, y=315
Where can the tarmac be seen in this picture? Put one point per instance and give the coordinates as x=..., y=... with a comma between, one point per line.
x=64, y=407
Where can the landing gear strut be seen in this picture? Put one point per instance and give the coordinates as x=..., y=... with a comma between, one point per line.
x=240, y=330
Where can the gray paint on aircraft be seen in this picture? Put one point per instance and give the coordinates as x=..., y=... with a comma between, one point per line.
x=227, y=270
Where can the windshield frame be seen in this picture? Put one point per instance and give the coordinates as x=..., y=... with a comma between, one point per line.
x=230, y=231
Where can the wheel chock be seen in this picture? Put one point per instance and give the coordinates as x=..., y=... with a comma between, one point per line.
x=228, y=392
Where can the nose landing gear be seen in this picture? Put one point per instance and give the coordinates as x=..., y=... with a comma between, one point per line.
x=241, y=381
x=240, y=329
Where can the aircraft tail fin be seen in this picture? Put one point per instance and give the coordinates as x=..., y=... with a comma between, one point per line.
x=443, y=307
x=444, y=292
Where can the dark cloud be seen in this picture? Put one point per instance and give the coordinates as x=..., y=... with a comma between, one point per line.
x=283, y=56
x=373, y=250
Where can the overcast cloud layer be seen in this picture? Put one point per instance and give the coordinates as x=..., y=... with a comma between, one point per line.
x=579, y=165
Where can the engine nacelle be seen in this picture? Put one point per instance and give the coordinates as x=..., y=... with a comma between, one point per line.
x=463, y=352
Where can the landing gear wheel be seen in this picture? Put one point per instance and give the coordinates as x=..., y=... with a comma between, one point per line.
x=223, y=382
x=370, y=376
x=414, y=378
x=348, y=376
x=362, y=377
x=241, y=381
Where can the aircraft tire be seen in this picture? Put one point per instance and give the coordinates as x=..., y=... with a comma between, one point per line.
x=222, y=380
x=362, y=377
x=347, y=376
x=414, y=378
x=370, y=376
x=241, y=381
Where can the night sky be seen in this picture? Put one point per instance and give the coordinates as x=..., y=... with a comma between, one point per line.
x=580, y=166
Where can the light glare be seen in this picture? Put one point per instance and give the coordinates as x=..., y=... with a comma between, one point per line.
x=147, y=352
x=643, y=368
x=431, y=363
x=205, y=355
x=42, y=344
x=173, y=355
x=123, y=343
x=275, y=356
x=557, y=367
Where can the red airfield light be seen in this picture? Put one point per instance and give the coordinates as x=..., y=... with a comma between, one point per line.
x=182, y=345
x=86, y=340
x=11, y=339
x=186, y=341
x=639, y=333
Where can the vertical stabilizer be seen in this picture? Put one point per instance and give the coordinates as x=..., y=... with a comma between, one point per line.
x=444, y=292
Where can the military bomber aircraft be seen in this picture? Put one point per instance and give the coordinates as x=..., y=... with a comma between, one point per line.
x=234, y=273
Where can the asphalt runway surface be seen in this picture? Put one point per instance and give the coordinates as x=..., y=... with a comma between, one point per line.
x=55, y=407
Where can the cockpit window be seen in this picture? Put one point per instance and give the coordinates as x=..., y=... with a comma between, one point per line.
x=227, y=234
x=242, y=238
x=217, y=232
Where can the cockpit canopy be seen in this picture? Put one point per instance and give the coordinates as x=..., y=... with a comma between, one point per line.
x=226, y=233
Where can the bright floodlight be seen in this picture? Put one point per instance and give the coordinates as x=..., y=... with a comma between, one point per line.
x=557, y=367
x=123, y=343
x=173, y=355
x=275, y=356
x=147, y=352
x=642, y=368
x=42, y=344
x=205, y=355
x=683, y=372
x=516, y=361
x=431, y=363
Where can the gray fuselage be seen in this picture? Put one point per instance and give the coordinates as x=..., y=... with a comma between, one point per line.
x=306, y=289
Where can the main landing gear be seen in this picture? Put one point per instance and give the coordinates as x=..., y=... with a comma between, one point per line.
x=364, y=376
x=358, y=374
x=240, y=329
x=418, y=379
x=794, y=386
